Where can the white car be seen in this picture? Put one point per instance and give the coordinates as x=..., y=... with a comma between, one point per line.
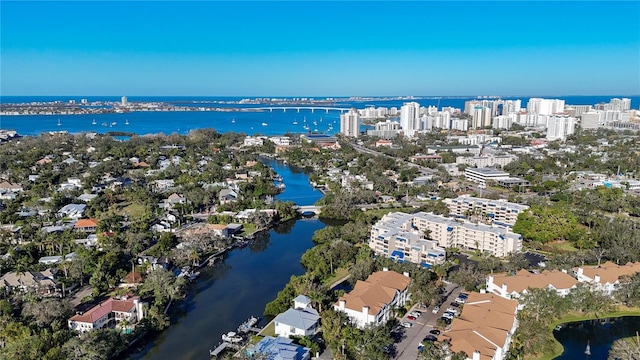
x=435, y=309
x=452, y=310
x=448, y=315
x=415, y=313
x=406, y=324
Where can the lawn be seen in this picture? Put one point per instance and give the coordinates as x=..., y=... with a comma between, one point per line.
x=135, y=211
x=339, y=274
x=269, y=330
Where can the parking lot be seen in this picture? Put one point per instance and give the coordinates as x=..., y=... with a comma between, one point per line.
x=410, y=338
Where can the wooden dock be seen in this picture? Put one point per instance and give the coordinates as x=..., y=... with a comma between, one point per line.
x=222, y=347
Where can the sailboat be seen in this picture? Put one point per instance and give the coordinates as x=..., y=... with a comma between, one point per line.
x=233, y=121
x=126, y=122
x=59, y=123
x=587, y=351
x=295, y=122
x=94, y=122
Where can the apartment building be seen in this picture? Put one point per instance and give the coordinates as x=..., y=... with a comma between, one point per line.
x=500, y=212
x=443, y=231
x=513, y=286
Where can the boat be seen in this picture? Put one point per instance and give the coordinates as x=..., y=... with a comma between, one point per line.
x=247, y=325
x=126, y=122
x=113, y=123
x=233, y=121
x=231, y=337
x=587, y=351
x=264, y=124
x=94, y=122
x=59, y=123
x=295, y=122
x=104, y=124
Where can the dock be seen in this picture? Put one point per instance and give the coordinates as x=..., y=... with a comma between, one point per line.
x=222, y=347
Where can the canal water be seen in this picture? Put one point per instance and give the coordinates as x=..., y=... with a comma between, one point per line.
x=242, y=284
x=599, y=334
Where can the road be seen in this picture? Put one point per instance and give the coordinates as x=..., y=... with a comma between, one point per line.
x=407, y=348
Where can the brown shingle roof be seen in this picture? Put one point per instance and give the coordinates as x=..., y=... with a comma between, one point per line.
x=485, y=322
x=610, y=272
x=377, y=291
x=524, y=279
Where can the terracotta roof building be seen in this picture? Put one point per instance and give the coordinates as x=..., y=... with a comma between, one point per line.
x=371, y=301
x=485, y=327
x=86, y=225
x=107, y=314
x=606, y=277
x=512, y=286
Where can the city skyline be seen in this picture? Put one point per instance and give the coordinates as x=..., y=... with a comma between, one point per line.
x=319, y=48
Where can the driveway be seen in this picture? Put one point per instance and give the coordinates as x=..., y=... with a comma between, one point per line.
x=407, y=348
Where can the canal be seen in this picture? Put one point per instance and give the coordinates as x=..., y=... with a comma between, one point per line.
x=598, y=334
x=242, y=284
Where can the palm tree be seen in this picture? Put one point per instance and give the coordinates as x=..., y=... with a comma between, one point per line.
x=194, y=257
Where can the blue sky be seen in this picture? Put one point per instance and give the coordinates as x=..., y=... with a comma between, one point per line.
x=303, y=48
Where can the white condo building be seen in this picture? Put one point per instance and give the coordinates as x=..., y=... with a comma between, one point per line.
x=446, y=232
x=559, y=127
x=500, y=211
x=545, y=106
x=591, y=120
x=350, y=123
x=409, y=118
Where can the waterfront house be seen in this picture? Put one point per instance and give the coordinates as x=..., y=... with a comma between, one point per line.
x=86, y=225
x=278, y=348
x=371, y=302
x=607, y=276
x=301, y=320
x=6, y=186
x=513, y=286
x=484, y=328
x=43, y=282
x=108, y=314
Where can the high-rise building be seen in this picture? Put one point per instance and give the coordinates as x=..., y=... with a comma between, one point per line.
x=620, y=104
x=481, y=117
x=409, y=114
x=559, y=127
x=591, y=120
x=350, y=123
x=123, y=101
x=545, y=106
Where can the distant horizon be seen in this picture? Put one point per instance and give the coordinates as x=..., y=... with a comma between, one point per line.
x=330, y=96
x=317, y=47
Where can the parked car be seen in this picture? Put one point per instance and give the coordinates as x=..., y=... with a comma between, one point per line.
x=448, y=315
x=452, y=310
x=435, y=332
x=435, y=309
x=411, y=317
x=454, y=304
x=406, y=324
x=430, y=338
x=446, y=320
x=415, y=313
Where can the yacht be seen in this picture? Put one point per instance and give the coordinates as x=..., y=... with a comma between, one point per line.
x=231, y=337
x=113, y=123
x=264, y=124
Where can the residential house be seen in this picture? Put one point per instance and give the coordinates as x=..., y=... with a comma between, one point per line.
x=485, y=327
x=87, y=197
x=301, y=320
x=371, y=302
x=227, y=196
x=42, y=282
x=278, y=348
x=73, y=211
x=49, y=260
x=513, y=286
x=607, y=276
x=108, y=314
x=164, y=184
x=6, y=186
x=86, y=225
x=173, y=200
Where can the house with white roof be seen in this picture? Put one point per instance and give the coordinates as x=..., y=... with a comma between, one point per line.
x=301, y=320
x=514, y=286
x=73, y=211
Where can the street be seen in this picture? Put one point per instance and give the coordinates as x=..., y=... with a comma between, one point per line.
x=407, y=348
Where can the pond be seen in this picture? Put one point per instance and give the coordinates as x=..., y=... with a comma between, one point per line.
x=598, y=334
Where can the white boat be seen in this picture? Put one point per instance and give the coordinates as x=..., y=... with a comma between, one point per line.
x=94, y=122
x=126, y=122
x=231, y=337
x=587, y=351
x=59, y=123
x=233, y=121
x=247, y=325
x=264, y=124
x=113, y=123
x=295, y=122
